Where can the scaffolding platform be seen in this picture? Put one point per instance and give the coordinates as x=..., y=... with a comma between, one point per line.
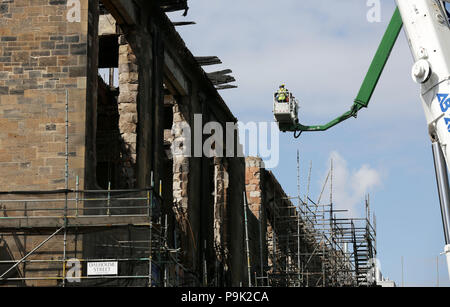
x=312, y=246
x=43, y=224
x=37, y=223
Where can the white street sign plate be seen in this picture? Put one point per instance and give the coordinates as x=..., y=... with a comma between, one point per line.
x=102, y=268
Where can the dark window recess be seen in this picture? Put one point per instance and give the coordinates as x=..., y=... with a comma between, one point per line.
x=106, y=174
x=108, y=55
x=108, y=137
x=168, y=116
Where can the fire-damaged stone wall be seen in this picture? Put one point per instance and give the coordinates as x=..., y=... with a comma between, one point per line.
x=221, y=216
x=123, y=137
x=277, y=239
x=128, y=85
x=257, y=217
x=48, y=72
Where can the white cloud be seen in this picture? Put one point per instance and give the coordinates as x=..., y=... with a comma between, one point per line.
x=350, y=186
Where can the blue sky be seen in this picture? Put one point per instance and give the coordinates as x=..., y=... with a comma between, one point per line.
x=322, y=50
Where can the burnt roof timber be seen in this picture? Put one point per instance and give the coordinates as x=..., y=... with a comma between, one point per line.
x=219, y=73
x=173, y=38
x=225, y=87
x=207, y=60
x=222, y=80
x=126, y=14
x=183, y=23
x=174, y=5
x=221, y=77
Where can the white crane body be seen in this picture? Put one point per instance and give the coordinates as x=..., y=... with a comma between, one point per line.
x=427, y=28
x=428, y=34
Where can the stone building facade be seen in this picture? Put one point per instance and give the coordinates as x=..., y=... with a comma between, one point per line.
x=63, y=129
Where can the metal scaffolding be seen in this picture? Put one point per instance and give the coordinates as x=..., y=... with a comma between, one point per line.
x=311, y=246
x=56, y=235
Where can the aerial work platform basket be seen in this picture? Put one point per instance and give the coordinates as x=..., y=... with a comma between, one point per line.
x=286, y=111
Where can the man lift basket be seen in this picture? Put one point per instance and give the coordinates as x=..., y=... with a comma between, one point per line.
x=285, y=111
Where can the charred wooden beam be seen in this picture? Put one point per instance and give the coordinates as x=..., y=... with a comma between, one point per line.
x=208, y=60
x=219, y=73
x=221, y=77
x=183, y=23
x=174, y=5
x=225, y=80
x=225, y=87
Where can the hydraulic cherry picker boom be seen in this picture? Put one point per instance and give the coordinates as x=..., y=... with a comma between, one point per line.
x=368, y=86
x=427, y=28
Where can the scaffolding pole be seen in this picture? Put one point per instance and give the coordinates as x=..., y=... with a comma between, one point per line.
x=247, y=242
x=318, y=240
x=126, y=211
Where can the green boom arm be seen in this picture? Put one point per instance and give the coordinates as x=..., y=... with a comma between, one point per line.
x=372, y=77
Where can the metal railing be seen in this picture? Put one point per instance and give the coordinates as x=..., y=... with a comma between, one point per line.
x=77, y=203
x=149, y=260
